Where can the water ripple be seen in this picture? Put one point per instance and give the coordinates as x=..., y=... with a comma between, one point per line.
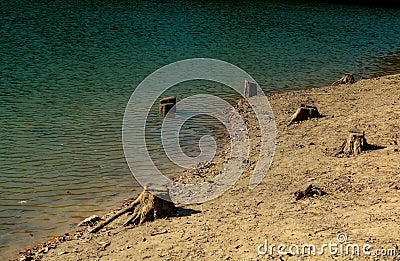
x=69, y=67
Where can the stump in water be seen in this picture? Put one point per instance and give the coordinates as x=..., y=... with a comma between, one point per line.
x=348, y=78
x=355, y=143
x=146, y=207
x=167, y=104
x=305, y=112
x=250, y=89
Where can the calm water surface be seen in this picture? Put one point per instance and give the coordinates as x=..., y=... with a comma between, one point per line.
x=68, y=70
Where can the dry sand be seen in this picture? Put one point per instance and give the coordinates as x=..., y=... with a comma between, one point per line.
x=362, y=201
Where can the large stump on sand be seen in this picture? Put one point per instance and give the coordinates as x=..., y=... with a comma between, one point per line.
x=305, y=112
x=146, y=207
x=355, y=143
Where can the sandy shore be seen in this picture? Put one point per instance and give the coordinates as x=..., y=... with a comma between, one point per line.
x=362, y=201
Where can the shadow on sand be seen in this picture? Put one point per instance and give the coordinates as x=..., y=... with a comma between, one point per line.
x=185, y=212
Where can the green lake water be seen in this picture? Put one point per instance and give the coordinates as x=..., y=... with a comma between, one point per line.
x=68, y=69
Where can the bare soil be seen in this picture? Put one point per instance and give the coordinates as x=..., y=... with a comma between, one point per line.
x=360, y=200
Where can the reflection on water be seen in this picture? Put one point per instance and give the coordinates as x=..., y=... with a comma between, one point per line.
x=68, y=69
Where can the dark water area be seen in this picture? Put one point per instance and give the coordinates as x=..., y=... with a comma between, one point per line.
x=366, y=3
x=68, y=69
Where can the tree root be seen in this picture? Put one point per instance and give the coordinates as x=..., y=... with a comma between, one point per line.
x=146, y=207
x=310, y=191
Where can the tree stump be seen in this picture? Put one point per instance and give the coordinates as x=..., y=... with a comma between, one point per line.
x=355, y=143
x=250, y=89
x=348, y=78
x=146, y=207
x=166, y=107
x=305, y=112
x=167, y=104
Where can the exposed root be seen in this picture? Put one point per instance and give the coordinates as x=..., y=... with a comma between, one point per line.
x=310, y=191
x=146, y=207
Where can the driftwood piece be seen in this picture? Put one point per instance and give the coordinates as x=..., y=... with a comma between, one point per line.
x=305, y=112
x=355, y=143
x=146, y=207
x=348, y=78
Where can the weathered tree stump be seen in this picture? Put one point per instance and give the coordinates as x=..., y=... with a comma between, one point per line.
x=146, y=207
x=166, y=107
x=355, y=143
x=348, y=78
x=167, y=104
x=305, y=112
x=250, y=89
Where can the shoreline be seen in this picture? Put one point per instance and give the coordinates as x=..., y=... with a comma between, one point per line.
x=233, y=225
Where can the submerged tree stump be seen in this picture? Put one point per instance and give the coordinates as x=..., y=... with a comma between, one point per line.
x=355, y=143
x=348, y=78
x=167, y=104
x=250, y=89
x=305, y=112
x=146, y=207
